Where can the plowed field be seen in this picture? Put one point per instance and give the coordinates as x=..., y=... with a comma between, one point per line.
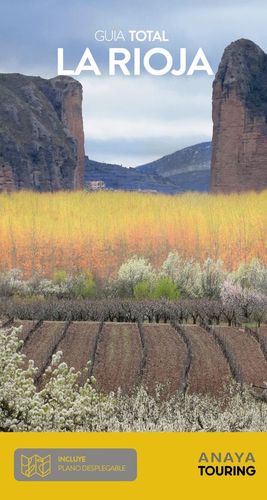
x=244, y=354
x=209, y=369
x=118, y=358
x=124, y=355
x=166, y=358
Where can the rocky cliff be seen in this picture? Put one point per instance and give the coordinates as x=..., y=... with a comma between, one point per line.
x=239, y=156
x=41, y=133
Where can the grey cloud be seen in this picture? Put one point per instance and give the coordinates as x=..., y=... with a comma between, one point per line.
x=170, y=111
x=131, y=153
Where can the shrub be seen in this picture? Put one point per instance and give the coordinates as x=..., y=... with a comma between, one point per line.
x=137, y=278
x=12, y=283
x=252, y=275
x=184, y=273
x=84, y=285
x=142, y=290
x=135, y=270
x=60, y=277
x=60, y=406
x=165, y=288
x=48, y=288
x=211, y=279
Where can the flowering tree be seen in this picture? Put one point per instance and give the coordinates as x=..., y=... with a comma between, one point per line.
x=194, y=280
x=212, y=278
x=244, y=302
x=186, y=274
x=252, y=275
x=11, y=282
x=61, y=405
x=132, y=272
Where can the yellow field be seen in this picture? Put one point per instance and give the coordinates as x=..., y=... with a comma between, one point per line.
x=80, y=230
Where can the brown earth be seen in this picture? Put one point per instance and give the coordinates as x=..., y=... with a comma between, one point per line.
x=209, y=370
x=78, y=344
x=4, y=321
x=118, y=357
x=261, y=335
x=27, y=327
x=40, y=344
x=244, y=354
x=166, y=358
x=122, y=355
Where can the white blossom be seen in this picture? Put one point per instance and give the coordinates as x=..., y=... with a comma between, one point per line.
x=62, y=405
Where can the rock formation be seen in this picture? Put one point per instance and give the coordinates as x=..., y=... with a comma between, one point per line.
x=41, y=133
x=239, y=156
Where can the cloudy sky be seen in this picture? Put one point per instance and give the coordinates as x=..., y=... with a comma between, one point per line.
x=130, y=120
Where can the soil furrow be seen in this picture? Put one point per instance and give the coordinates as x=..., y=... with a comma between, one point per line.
x=118, y=357
x=94, y=351
x=42, y=343
x=139, y=380
x=261, y=335
x=209, y=371
x=188, y=361
x=244, y=354
x=78, y=346
x=166, y=357
x=28, y=329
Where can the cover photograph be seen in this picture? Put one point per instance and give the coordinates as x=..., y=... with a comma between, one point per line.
x=133, y=248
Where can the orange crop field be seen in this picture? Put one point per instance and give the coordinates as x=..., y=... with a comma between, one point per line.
x=98, y=231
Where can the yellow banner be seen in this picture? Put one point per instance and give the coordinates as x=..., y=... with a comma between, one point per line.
x=169, y=465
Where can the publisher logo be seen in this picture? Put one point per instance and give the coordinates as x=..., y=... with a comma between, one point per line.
x=229, y=463
x=75, y=464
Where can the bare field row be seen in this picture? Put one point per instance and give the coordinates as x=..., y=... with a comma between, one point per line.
x=125, y=355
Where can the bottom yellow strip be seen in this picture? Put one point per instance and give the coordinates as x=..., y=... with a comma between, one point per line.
x=169, y=465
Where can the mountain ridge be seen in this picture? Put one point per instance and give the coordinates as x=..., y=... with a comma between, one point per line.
x=187, y=169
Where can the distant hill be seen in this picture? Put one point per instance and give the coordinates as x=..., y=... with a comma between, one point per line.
x=184, y=170
x=190, y=159
x=130, y=179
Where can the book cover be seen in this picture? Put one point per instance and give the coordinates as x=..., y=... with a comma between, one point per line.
x=133, y=269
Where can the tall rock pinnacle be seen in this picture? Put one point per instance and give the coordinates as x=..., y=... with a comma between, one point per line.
x=41, y=133
x=239, y=145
